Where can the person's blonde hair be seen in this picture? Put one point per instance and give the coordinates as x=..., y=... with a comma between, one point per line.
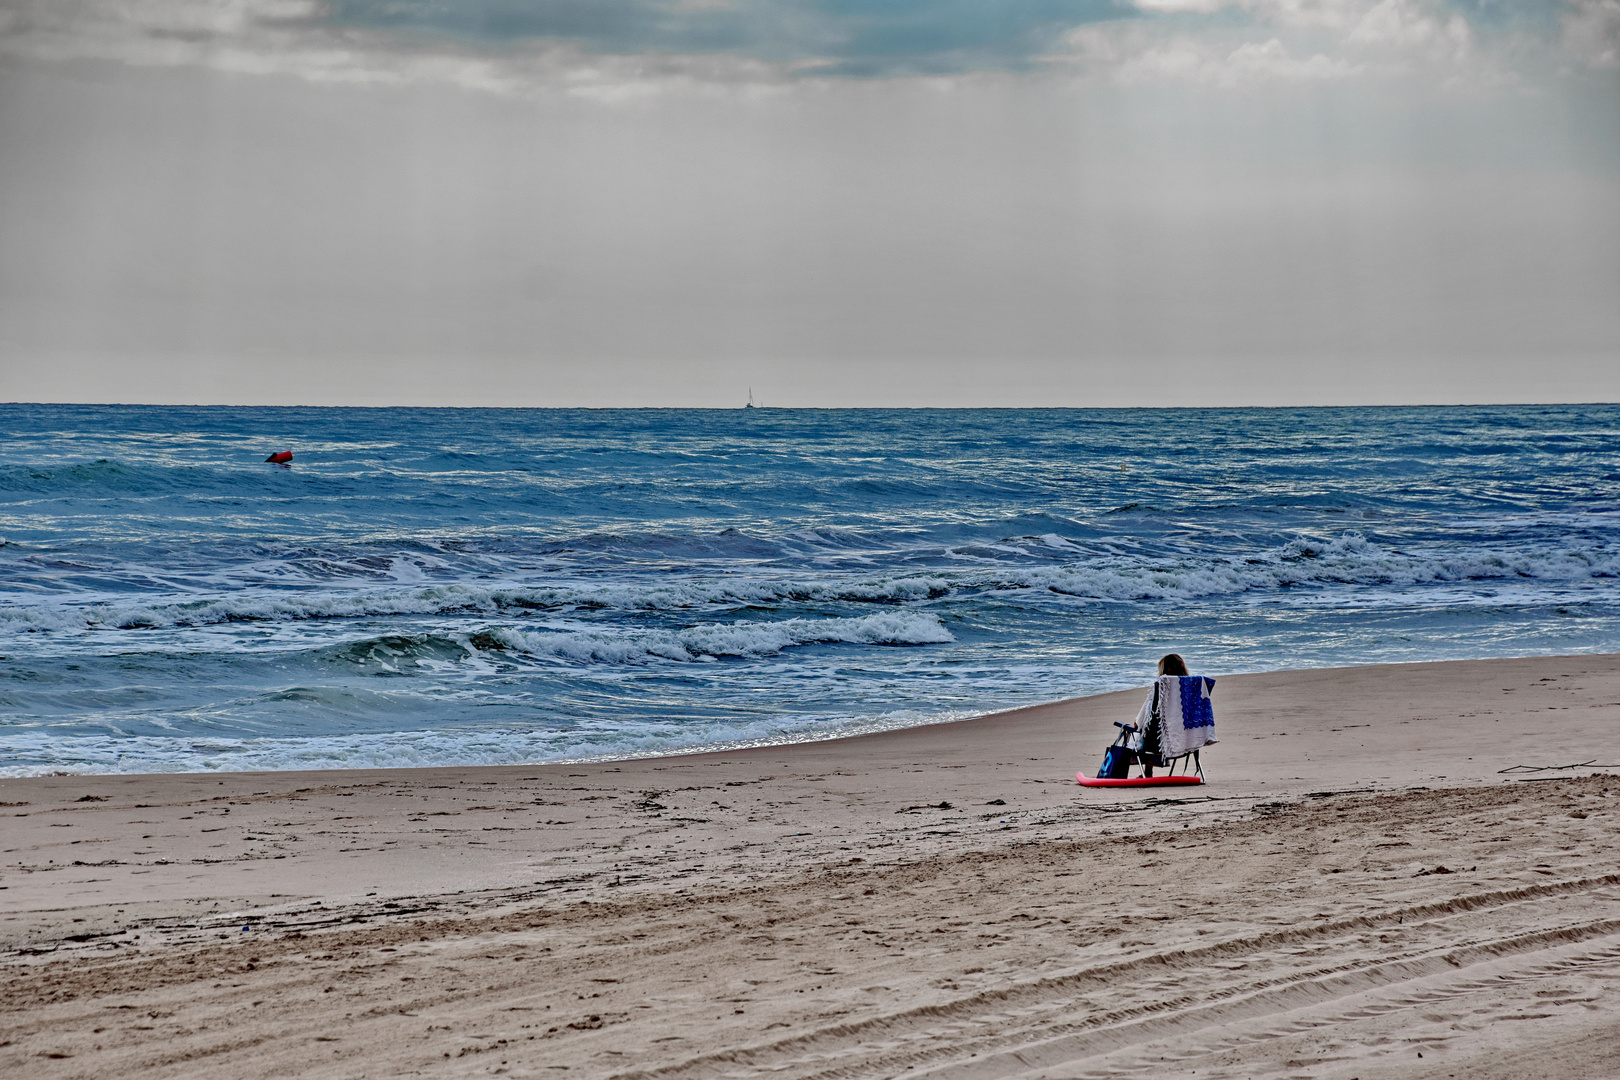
x=1173, y=664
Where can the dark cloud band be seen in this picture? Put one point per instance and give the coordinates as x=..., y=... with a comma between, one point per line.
x=853, y=37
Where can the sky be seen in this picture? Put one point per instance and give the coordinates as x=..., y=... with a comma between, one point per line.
x=823, y=202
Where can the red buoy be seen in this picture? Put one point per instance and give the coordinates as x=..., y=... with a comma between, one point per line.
x=280, y=459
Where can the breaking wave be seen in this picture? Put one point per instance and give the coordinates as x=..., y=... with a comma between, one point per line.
x=595, y=645
x=459, y=599
x=1350, y=559
x=734, y=639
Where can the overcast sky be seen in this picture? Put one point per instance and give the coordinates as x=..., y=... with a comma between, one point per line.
x=834, y=202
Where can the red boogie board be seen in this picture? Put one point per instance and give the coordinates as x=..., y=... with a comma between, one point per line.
x=1139, y=781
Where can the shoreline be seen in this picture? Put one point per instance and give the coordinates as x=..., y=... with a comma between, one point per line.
x=741, y=748
x=629, y=882
x=1282, y=735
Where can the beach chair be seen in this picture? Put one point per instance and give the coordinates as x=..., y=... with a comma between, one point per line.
x=1176, y=722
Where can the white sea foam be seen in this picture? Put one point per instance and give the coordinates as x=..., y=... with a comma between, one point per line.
x=1349, y=559
x=35, y=753
x=731, y=639
x=458, y=598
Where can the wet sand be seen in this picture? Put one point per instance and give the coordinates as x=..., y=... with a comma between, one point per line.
x=1359, y=891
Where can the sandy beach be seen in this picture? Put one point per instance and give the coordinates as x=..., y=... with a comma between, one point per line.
x=1359, y=891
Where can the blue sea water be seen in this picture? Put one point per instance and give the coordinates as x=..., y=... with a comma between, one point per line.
x=480, y=586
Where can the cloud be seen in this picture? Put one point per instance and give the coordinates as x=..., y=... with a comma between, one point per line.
x=1475, y=45
x=845, y=37
x=581, y=46
x=1272, y=60
x=1415, y=29
x=1591, y=32
x=300, y=38
x=1201, y=7
x=622, y=49
x=1135, y=56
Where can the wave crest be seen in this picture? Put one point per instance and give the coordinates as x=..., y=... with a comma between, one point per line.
x=390, y=652
x=1350, y=559
x=460, y=599
x=741, y=639
x=1303, y=562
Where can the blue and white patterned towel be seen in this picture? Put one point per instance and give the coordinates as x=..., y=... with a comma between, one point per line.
x=1188, y=717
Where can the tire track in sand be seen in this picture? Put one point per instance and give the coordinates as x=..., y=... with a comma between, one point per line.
x=1086, y=1015
x=1152, y=1055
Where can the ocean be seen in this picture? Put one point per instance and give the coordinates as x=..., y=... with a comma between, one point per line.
x=482, y=586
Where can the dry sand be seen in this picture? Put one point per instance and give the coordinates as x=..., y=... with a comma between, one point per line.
x=1358, y=892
